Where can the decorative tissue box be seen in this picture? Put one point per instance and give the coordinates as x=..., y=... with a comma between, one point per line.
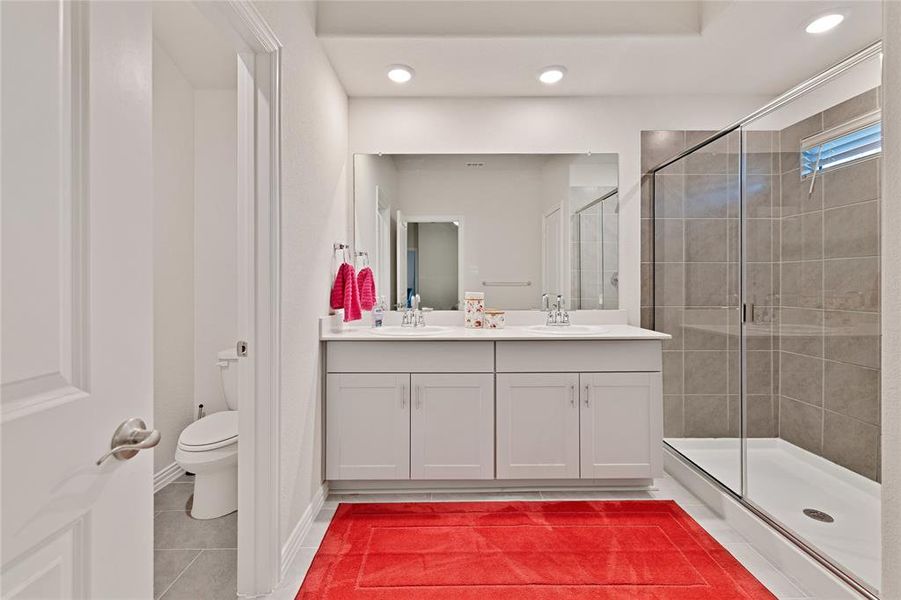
x=474, y=306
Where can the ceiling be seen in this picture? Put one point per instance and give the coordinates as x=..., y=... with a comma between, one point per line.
x=203, y=55
x=495, y=48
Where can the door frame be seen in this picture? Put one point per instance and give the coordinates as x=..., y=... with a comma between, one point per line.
x=560, y=250
x=259, y=282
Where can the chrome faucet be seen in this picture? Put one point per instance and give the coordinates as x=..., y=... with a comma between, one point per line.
x=413, y=315
x=556, y=314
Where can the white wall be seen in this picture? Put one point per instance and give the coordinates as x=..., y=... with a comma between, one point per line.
x=891, y=305
x=173, y=247
x=215, y=229
x=545, y=125
x=315, y=214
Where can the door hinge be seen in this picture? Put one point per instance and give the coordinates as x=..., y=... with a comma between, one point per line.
x=241, y=348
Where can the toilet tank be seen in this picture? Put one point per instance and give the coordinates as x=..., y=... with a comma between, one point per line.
x=228, y=370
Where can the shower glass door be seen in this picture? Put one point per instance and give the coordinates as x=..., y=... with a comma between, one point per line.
x=697, y=256
x=811, y=196
x=766, y=273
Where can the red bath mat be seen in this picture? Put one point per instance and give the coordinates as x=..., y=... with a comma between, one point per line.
x=636, y=550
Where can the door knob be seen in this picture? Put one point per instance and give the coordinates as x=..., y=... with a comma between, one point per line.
x=129, y=438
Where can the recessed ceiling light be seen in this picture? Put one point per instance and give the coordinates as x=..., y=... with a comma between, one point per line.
x=551, y=75
x=400, y=73
x=824, y=23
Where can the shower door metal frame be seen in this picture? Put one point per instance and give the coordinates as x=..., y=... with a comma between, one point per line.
x=578, y=213
x=855, y=59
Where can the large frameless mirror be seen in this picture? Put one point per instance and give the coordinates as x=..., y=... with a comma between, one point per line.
x=514, y=226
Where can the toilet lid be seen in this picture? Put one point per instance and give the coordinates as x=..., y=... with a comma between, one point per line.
x=213, y=431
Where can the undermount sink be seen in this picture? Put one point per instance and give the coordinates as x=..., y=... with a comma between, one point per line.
x=394, y=331
x=569, y=329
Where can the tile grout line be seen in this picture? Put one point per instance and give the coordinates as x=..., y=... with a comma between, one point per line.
x=200, y=549
x=177, y=577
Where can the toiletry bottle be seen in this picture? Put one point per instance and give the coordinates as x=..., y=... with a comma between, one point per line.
x=378, y=312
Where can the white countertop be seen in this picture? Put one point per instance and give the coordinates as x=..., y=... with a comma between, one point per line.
x=362, y=333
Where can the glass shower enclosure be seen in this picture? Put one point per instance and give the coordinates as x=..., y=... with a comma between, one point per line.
x=594, y=252
x=766, y=273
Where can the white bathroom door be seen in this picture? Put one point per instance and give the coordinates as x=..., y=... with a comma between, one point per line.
x=77, y=322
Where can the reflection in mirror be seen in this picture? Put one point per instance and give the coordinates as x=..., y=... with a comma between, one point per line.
x=431, y=249
x=594, y=224
x=513, y=226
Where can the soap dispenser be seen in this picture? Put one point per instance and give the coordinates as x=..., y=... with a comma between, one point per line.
x=378, y=312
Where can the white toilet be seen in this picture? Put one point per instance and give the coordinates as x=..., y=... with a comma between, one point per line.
x=208, y=448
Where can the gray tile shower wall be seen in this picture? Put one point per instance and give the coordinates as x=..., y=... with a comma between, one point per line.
x=812, y=275
x=828, y=314
x=695, y=264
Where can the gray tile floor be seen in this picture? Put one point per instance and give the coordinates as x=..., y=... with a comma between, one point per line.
x=192, y=559
x=196, y=559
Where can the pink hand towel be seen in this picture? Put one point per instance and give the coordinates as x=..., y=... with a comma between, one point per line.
x=336, y=300
x=345, y=293
x=366, y=284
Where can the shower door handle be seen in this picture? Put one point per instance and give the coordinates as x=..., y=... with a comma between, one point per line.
x=747, y=313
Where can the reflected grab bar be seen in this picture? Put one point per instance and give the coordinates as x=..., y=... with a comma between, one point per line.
x=506, y=283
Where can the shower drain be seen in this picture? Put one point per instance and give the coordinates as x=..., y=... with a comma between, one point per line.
x=818, y=515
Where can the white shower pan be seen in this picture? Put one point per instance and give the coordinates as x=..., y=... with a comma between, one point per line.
x=784, y=479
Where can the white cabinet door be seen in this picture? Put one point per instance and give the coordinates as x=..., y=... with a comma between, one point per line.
x=453, y=426
x=537, y=426
x=367, y=426
x=621, y=425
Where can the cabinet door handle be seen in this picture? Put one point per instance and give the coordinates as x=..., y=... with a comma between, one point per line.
x=587, y=396
x=403, y=396
x=572, y=395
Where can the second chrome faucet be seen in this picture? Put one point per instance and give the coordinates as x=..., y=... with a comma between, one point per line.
x=556, y=313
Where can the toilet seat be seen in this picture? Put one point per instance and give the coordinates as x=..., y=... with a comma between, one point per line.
x=213, y=431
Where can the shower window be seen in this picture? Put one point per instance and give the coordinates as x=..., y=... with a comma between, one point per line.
x=850, y=142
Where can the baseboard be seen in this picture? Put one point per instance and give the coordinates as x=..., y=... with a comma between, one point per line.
x=407, y=486
x=292, y=545
x=166, y=476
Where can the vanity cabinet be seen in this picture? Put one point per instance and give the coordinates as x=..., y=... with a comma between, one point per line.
x=452, y=426
x=538, y=426
x=506, y=410
x=367, y=426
